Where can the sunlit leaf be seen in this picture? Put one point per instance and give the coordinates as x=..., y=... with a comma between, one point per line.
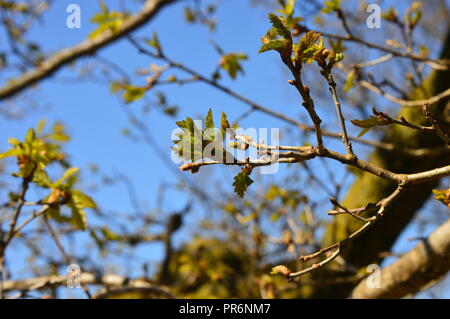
x=68, y=173
x=241, y=182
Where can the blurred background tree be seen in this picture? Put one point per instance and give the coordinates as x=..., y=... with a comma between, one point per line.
x=118, y=84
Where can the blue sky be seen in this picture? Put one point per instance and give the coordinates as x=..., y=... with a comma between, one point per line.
x=94, y=117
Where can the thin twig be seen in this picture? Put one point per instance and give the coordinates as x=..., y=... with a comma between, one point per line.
x=435, y=125
x=387, y=202
x=67, y=258
x=438, y=64
x=337, y=204
x=332, y=86
x=315, y=266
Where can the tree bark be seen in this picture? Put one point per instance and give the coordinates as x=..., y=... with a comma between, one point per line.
x=427, y=262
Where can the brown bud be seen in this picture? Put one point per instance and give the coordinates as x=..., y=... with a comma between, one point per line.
x=281, y=269
x=64, y=195
x=186, y=167
x=22, y=160
x=54, y=196
x=195, y=169
x=306, y=89
x=298, y=29
x=247, y=169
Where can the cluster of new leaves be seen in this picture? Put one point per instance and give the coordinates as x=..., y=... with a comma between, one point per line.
x=443, y=196
x=232, y=63
x=412, y=16
x=196, y=143
x=331, y=6
x=192, y=141
x=131, y=93
x=271, y=40
x=310, y=47
x=281, y=27
x=34, y=154
x=107, y=20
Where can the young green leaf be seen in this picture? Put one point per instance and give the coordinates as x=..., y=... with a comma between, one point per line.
x=9, y=153
x=79, y=201
x=109, y=234
x=106, y=20
x=241, y=182
x=289, y=8
x=154, y=42
x=133, y=93
x=82, y=199
x=42, y=179
x=231, y=63
x=209, y=119
x=78, y=218
x=224, y=122
x=277, y=45
x=350, y=80
x=67, y=174
x=189, y=15
x=367, y=124
x=280, y=27
x=55, y=213
x=308, y=47
x=40, y=126
x=31, y=136
x=331, y=6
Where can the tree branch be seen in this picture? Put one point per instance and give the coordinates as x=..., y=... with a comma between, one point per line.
x=423, y=265
x=437, y=64
x=109, y=280
x=85, y=48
